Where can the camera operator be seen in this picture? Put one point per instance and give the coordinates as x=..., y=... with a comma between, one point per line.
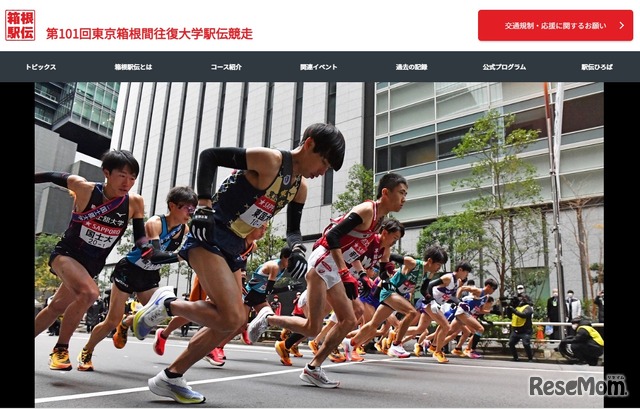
x=521, y=326
x=586, y=346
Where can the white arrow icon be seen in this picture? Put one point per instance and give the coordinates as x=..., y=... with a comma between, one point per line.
x=621, y=25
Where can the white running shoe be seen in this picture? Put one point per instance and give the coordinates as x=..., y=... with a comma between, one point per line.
x=348, y=348
x=317, y=377
x=259, y=324
x=153, y=313
x=176, y=389
x=398, y=351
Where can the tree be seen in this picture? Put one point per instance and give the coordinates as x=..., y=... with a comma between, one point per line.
x=359, y=188
x=44, y=280
x=461, y=235
x=506, y=190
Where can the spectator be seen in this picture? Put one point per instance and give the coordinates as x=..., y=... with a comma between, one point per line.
x=54, y=329
x=586, y=346
x=574, y=310
x=276, y=305
x=599, y=302
x=92, y=317
x=521, y=327
x=515, y=300
x=553, y=313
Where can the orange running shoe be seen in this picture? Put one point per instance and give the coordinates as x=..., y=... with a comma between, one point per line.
x=281, y=349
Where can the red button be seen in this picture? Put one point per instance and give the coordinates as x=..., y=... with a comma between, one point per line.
x=555, y=25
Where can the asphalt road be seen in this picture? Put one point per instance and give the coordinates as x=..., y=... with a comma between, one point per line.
x=254, y=377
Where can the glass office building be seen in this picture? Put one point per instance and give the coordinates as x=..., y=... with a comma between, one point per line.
x=409, y=128
x=69, y=118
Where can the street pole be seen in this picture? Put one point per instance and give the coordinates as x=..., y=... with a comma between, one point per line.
x=554, y=135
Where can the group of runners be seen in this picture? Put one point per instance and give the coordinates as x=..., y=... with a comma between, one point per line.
x=215, y=231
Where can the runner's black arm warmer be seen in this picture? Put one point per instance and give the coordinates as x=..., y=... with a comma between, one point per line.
x=138, y=231
x=59, y=178
x=347, y=224
x=425, y=288
x=294, y=215
x=397, y=258
x=270, y=284
x=160, y=256
x=210, y=159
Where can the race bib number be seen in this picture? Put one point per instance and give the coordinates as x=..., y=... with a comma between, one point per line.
x=99, y=235
x=147, y=265
x=261, y=211
x=406, y=287
x=354, y=252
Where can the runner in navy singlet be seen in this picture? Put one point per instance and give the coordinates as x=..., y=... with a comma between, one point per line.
x=101, y=213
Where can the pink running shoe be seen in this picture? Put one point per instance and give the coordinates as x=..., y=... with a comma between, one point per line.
x=214, y=357
x=158, y=343
x=472, y=354
x=245, y=337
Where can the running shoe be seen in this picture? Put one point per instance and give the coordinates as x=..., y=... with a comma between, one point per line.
x=417, y=349
x=317, y=377
x=284, y=334
x=313, y=345
x=214, y=358
x=384, y=345
x=59, y=360
x=221, y=353
x=348, y=348
x=354, y=355
x=458, y=352
x=295, y=351
x=245, y=337
x=259, y=324
x=360, y=350
x=153, y=313
x=281, y=349
x=378, y=346
x=158, y=343
x=431, y=349
x=120, y=337
x=84, y=361
x=392, y=337
x=336, y=356
x=398, y=351
x=472, y=354
x=176, y=389
x=439, y=355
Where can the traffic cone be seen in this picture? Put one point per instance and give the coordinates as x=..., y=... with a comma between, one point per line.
x=540, y=336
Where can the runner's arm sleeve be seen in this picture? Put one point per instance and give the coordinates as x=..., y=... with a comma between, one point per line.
x=349, y=223
x=397, y=258
x=159, y=256
x=210, y=159
x=59, y=178
x=426, y=287
x=139, y=234
x=294, y=215
x=270, y=285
